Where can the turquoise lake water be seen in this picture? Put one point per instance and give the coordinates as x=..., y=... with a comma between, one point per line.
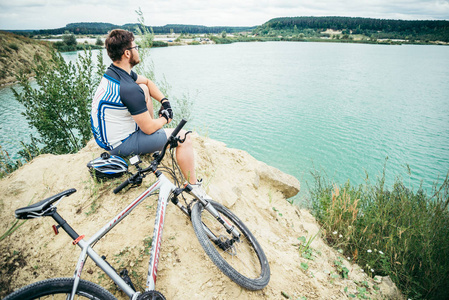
x=342, y=108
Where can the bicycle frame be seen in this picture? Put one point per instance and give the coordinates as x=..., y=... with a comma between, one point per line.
x=166, y=187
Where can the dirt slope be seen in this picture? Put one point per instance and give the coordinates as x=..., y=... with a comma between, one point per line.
x=254, y=191
x=17, y=54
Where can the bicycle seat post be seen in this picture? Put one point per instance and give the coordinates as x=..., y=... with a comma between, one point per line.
x=64, y=225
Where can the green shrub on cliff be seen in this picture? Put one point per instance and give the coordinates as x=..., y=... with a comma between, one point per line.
x=59, y=107
x=396, y=232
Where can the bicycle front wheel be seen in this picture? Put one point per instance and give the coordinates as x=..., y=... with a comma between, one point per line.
x=59, y=288
x=242, y=259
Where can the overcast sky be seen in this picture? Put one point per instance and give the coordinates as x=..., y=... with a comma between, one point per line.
x=49, y=14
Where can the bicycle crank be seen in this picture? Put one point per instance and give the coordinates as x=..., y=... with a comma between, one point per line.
x=151, y=295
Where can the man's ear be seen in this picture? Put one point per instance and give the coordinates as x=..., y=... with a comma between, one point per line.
x=127, y=54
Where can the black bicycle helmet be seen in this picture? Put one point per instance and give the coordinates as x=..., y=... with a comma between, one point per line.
x=107, y=166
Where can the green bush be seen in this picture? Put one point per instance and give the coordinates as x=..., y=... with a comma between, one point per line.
x=218, y=40
x=59, y=107
x=99, y=42
x=398, y=232
x=84, y=47
x=159, y=44
x=70, y=40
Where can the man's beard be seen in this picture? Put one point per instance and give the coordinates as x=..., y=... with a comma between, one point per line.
x=133, y=61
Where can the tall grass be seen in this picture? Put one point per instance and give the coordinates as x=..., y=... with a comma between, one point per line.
x=396, y=232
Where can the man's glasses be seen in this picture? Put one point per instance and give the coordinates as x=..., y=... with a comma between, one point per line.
x=135, y=47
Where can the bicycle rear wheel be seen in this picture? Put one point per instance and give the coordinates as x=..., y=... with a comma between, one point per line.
x=242, y=260
x=59, y=288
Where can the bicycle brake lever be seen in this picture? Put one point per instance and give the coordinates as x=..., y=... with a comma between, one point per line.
x=137, y=180
x=176, y=140
x=185, y=137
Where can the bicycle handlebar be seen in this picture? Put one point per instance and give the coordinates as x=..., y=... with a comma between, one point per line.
x=170, y=139
x=121, y=186
x=178, y=128
x=155, y=162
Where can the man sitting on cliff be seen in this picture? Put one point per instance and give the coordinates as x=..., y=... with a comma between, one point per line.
x=122, y=110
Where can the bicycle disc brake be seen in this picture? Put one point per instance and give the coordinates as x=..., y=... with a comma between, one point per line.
x=226, y=245
x=151, y=295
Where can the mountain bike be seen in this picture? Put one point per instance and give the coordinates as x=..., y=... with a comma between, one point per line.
x=223, y=236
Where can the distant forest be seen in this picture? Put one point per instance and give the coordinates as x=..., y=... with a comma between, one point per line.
x=103, y=28
x=376, y=28
x=298, y=27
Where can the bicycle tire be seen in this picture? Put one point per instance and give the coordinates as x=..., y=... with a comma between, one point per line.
x=247, y=266
x=60, y=287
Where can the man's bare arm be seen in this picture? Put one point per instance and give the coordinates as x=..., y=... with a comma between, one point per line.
x=154, y=90
x=147, y=124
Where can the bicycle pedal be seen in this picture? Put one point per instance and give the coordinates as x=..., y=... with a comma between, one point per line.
x=125, y=276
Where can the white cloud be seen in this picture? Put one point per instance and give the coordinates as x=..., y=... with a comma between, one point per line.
x=44, y=14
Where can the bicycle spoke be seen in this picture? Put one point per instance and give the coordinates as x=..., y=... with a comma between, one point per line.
x=241, y=256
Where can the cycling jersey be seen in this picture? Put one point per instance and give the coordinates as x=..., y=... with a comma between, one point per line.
x=117, y=98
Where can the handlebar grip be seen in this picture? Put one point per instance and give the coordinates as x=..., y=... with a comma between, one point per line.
x=121, y=186
x=178, y=128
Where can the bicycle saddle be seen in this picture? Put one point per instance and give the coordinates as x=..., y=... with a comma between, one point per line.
x=36, y=210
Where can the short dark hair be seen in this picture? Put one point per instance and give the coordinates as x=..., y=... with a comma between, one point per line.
x=116, y=43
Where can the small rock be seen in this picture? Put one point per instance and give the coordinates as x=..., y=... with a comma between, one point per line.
x=389, y=289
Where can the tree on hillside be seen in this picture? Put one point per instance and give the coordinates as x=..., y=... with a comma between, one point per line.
x=423, y=30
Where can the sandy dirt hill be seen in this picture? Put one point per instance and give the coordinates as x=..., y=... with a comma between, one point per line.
x=17, y=54
x=256, y=192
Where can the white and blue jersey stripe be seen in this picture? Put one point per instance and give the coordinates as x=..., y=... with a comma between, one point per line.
x=117, y=98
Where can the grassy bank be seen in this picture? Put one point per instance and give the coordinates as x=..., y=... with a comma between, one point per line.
x=398, y=231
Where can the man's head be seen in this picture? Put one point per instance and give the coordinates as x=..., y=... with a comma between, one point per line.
x=121, y=43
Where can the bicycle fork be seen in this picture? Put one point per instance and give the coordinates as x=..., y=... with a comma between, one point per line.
x=229, y=228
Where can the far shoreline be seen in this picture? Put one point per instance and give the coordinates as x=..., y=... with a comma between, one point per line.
x=172, y=40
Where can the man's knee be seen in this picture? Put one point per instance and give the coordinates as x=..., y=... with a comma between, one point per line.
x=145, y=90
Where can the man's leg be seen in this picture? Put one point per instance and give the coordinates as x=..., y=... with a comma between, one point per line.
x=141, y=143
x=185, y=156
